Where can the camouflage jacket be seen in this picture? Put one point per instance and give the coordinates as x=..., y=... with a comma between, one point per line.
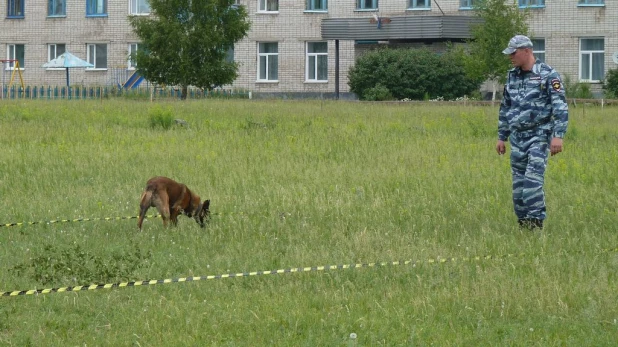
x=534, y=102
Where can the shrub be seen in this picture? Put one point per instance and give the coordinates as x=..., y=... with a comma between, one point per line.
x=576, y=90
x=415, y=74
x=378, y=93
x=160, y=118
x=611, y=84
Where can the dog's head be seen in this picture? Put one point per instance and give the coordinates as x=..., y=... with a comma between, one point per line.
x=202, y=213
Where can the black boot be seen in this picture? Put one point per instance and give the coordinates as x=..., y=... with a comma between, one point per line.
x=530, y=223
x=536, y=223
x=524, y=223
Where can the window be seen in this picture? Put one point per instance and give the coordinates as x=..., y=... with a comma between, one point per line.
x=317, y=5
x=268, y=56
x=54, y=50
x=132, y=64
x=15, y=9
x=96, y=7
x=538, y=48
x=56, y=8
x=139, y=7
x=229, y=55
x=317, y=61
x=423, y=4
x=97, y=55
x=15, y=52
x=366, y=4
x=531, y=3
x=591, y=60
x=591, y=2
x=467, y=4
x=269, y=6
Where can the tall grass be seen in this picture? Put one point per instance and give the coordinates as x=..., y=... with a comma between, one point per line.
x=297, y=184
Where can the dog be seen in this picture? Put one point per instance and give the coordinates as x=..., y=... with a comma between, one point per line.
x=171, y=199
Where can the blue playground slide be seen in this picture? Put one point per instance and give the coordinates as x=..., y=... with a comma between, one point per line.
x=134, y=81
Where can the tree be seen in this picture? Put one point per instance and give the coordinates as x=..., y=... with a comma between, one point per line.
x=185, y=42
x=500, y=21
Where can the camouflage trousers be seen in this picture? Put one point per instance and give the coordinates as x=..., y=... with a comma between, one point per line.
x=528, y=162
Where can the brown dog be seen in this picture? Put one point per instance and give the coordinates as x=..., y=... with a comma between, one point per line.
x=171, y=199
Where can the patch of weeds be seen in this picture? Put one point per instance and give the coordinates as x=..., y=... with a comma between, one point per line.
x=254, y=125
x=72, y=264
x=477, y=124
x=160, y=118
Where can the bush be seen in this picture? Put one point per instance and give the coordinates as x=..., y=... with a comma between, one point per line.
x=611, y=84
x=576, y=90
x=414, y=74
x=160, y=118
x=378, y=93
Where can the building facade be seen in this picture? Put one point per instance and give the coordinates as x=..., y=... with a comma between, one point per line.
x=298, y=47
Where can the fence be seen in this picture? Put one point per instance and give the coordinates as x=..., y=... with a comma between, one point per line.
x=83, y=92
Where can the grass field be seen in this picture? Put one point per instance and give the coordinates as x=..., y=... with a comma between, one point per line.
x=302, y=184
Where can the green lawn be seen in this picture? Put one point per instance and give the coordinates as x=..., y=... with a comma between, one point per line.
x=302, y=184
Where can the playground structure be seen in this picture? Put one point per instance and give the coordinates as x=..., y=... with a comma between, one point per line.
x=125, y=79
x=133, y=81
x=16, y=68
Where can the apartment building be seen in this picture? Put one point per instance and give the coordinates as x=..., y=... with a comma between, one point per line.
x=298, y=48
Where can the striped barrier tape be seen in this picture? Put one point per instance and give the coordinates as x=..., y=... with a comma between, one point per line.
x=430, y=261
x=74, y=220
x=105, y=219
x=248, y=274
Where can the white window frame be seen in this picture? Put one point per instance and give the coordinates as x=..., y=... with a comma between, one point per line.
x=139, y=7
x=52, y=53
x=133, y=47
x=591, y=54
x=11, y=49
x=265, y=6
x=91, y=55
x=312, y=63
x=266, y=59
x=363, y=5
x=414, y=5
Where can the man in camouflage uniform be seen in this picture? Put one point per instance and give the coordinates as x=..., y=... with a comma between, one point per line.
x=534, y=117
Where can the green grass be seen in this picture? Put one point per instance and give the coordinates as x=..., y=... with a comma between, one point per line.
x=296, y=184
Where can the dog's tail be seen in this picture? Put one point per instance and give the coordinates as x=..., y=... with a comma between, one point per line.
x=144, y=205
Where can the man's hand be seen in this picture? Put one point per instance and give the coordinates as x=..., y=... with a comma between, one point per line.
x=555, y=146
x=501, y=148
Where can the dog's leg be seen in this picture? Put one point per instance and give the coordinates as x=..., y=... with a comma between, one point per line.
x=144, y=205
x=174, y=215
x=162, y=203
